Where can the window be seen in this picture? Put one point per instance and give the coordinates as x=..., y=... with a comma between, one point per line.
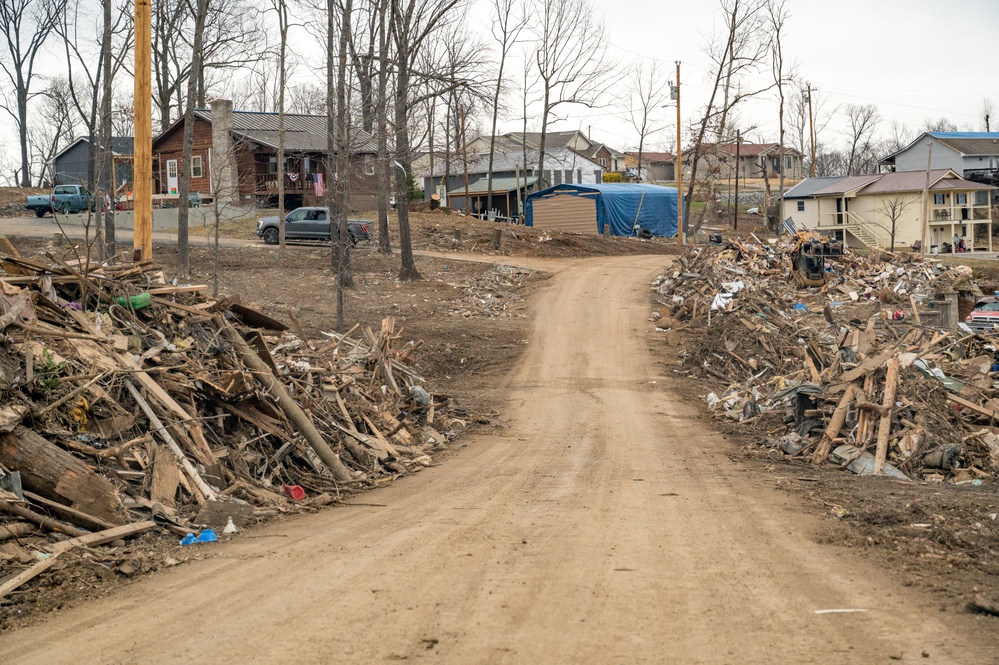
x=296, y=215
x=801, y=206
x=272, y=164
x=172, y=168
x=196, y=171
x=369, y=165
x=981, y=198
x=603, y=162
x=938, y=199
x=787, y=162
x=306, y=165
x=962, y=198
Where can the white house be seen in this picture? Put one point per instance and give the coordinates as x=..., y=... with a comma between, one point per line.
x=866, y=211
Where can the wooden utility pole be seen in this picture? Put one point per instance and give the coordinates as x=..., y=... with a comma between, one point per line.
x=811, y=129
x=738, y=167
x=679, y=163
x=464, y=159
x=142, y=195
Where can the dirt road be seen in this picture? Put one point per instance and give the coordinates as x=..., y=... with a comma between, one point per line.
x=606, y=526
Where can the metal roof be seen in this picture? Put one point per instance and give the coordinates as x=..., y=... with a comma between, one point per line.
x=555, y=159
x=499, y=185
x=302, y=133
x=847, y=184
x=807, y=187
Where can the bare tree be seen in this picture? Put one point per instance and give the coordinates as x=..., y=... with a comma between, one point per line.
x=939, y=125
x=339, y=150
x=899, y=136
x=803, y=129
x=281, y=9
x=862, y=125
x=778, y=14
x=506, y=30
x=987, y=112
x=54, y=129
x=232, y=40
x=570, y=59
x=648, y=91
x=892, y=208
x=184, y=186
x=413, y=23
x=306, y=99
x=736, y=53
x=26, y=25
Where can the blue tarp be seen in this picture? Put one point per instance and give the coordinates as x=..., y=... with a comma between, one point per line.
x=625, y=207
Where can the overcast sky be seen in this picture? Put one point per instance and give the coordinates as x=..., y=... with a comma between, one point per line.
x=914, y=59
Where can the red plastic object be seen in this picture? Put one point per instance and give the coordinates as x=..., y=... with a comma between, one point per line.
x=294, y=492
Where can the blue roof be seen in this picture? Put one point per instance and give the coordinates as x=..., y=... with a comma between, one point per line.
x=964, y=135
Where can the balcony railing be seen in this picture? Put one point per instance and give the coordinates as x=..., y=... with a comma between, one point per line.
x=293, y=182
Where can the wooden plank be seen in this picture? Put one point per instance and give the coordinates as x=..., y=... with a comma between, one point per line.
x=884, y=426
x=974, y=407
x=102, y=537
x=26, y=575
x=166, y=478
x=168, y=290
x=835, y=425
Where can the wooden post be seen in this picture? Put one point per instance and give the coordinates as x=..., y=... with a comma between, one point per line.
x=143, y=169
x=735, y=212
x=835, y=425
x=457, y=235
x=888, y=406
x=497, y=238
x=679, y=164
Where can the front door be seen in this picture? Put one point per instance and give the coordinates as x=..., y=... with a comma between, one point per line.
x=171, y=176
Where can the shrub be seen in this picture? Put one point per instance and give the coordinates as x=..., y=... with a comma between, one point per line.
x=613, y=177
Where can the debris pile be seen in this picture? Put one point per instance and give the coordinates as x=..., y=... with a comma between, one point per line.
x=128, y=404
x=858, y=371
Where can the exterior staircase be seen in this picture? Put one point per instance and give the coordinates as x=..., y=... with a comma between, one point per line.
x=862, y=232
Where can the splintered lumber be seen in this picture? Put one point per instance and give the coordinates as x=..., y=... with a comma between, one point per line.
x=52, y=525
x=58, y=549
x=835, y=425
x=205, y=491
x=884, y=426
x=55, y=474
x=166, y=477
x=69, y=514
x=290, y=407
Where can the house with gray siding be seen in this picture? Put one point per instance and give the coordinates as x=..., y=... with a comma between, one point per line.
x=73, y=165
x=973, y=155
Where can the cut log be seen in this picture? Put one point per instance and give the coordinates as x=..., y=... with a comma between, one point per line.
x=72, y=515
x=835, y=425
x=291, y=408
x=53, y=473
x=884, y=426
x=15, y=530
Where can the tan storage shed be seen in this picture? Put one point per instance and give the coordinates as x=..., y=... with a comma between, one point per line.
x=562, y=211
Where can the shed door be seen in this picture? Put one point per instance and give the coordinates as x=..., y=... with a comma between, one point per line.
x=565, y=212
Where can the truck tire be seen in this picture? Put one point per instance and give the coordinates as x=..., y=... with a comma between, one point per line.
x=271, y=236
x=64, y=208
x=39, y=212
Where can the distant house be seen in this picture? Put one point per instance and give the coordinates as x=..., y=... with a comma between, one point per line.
x=74, y=164
x=235, y=156
x=656, y=166
x=754, y=159
x=510, y=177
x=861, y=210
x=973, y=155
x=601, y=154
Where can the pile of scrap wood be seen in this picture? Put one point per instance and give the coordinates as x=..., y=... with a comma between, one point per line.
x=854, y=371
x=128, y=402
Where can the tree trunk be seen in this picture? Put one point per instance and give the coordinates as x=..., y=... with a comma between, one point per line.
x=339, y=209
x=55, y=474
x=107, y=158
x=22, y=135
x=384, y=167
x=184, y=185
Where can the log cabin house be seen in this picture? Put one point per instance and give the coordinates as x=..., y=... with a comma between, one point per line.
x=235, y=159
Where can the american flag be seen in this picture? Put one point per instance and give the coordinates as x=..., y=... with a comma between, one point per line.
x=317, y=184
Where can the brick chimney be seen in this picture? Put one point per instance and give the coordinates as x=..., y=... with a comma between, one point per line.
x=225, y=177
